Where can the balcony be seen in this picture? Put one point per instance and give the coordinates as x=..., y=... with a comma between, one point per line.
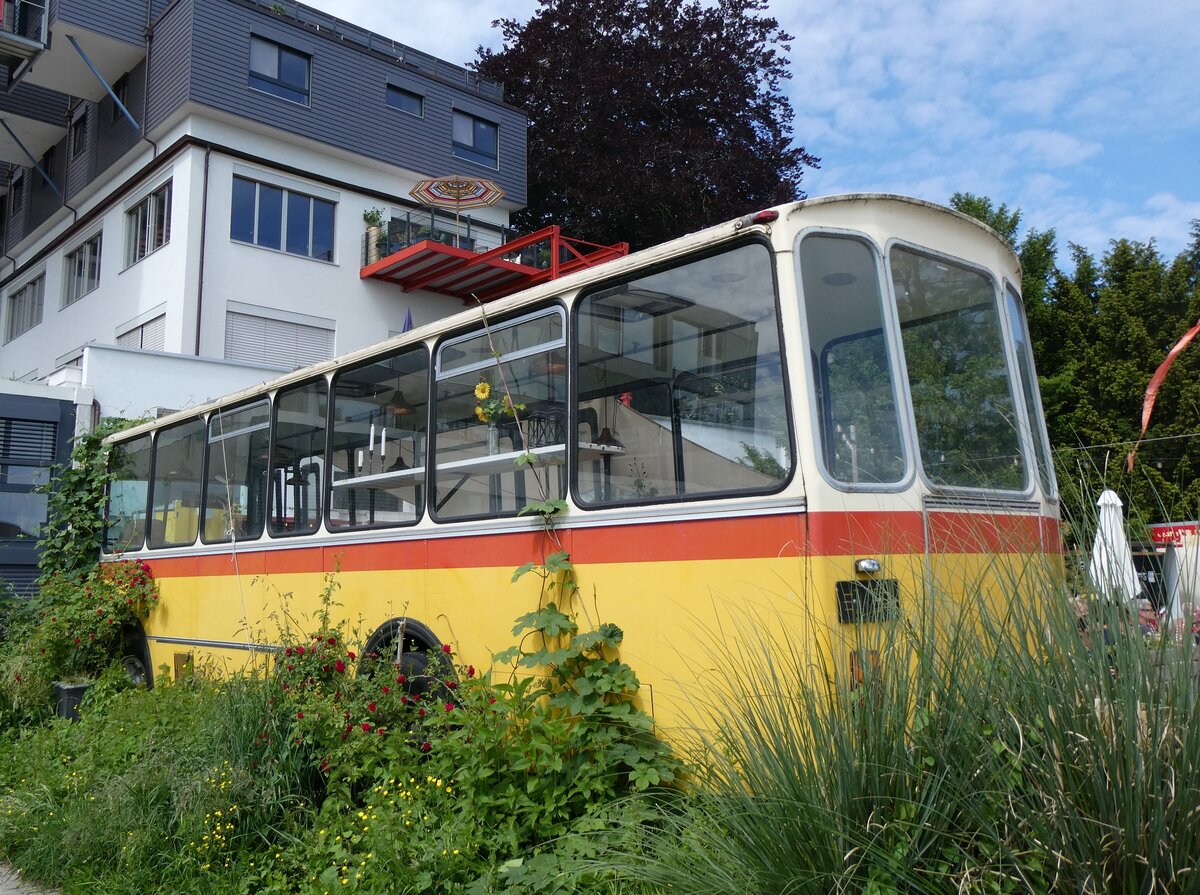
x=434, y=259
x=113, y=43
x=22, y=33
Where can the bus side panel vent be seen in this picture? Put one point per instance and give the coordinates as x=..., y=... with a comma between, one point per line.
x=868, y=601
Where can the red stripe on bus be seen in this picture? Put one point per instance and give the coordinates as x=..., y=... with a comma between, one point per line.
x=753, y=537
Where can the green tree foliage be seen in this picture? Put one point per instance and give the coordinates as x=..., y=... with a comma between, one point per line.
x=649, y=120
x=1099, y=331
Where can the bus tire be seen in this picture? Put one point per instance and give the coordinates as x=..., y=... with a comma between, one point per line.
x=135, y=656
x=413, y=651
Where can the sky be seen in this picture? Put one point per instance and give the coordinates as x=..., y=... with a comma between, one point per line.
x=1083, y=114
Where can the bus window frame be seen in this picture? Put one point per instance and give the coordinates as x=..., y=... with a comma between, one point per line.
x=421, y=483
x=321, y=527
x=789, y=411
x=208, y=442
x=202, y=478
x=994, y=278
x=1037, y=435
x=820, y=406
x=106, y=545
x=486, y=326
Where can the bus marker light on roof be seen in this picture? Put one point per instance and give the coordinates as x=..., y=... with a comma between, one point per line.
x=760, y=217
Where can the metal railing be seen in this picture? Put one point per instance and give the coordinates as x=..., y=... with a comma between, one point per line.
x=401, y=232
x=384, y=46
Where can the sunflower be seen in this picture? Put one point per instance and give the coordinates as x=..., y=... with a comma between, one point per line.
x=483, y=389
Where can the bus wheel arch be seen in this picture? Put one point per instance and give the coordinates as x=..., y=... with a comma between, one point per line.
x=413, y=650
x=134, y=655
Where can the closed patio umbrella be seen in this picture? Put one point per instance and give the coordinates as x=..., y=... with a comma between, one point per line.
x=1111, y=569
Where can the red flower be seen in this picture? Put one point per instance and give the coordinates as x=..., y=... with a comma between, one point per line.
x=421, y=713
x=400, y=678
x=366, y=726
x=386, y=689
x=404, y=700
x=371, y=707
x=288, y=651
x=425, y=747
x=491, y=700
x=470, y=671
x=447, y=649
x=451, y=685
x=299, y=651
x=332, y=641
x=449, y=706
x=340, y=666
x=350, y=654
x=300, y=715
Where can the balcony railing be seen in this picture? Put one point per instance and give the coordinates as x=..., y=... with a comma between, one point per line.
x=400, y=233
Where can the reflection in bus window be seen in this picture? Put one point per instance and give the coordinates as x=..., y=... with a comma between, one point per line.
x=856, y=391
x=480, y=434
x=125, y=521
x=175, y=492
x=1029, y=391
x=681, y=389
x=379, y=425
x=298, y=464
x=236, y=489
x=958, y=374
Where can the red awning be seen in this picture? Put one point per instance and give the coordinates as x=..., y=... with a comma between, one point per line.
x=462, y=273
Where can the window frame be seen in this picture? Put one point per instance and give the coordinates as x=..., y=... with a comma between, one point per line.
x=140, y=222
x=284, y=219
x=120, y=89
x=37, y=305
x=395, y=89
x=77, y=136
x=471, y=152
x=274, y=85
x=94, y=259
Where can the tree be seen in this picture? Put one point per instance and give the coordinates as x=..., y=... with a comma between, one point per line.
x=649, y=120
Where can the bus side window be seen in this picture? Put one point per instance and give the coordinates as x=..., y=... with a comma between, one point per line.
x=854, y=387
x=297, y=480
x=175, y=492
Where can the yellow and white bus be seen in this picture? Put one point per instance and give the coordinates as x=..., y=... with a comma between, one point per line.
x=827, y=409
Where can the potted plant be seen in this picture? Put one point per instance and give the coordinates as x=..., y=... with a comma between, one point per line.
x=377, y=230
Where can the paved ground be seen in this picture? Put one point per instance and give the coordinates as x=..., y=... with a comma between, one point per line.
x=12, y=884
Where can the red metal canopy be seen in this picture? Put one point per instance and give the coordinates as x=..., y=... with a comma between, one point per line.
x=485, y=276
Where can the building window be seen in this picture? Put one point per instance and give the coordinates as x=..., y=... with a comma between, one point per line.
x=25, y=308
x=475, y=140
x=78, y=135
x=406, y=100
x=279, y=70
x=83, y=270
x=121, y=90
x=263, y=340
x=16, y=195
x=151, y=335
x=277, y=218
x=148, y=225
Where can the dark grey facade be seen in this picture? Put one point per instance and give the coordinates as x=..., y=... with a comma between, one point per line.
x=195, y=55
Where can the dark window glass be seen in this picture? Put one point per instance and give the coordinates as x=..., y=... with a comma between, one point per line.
x=279, y=70
x=322, y=230
x=405, y=100
x=175, y=494
x=129, y=463
x=475, y=139
x=299, y=211
x=298, y=462
x=270, y=216
x=241, y=225
x=236, y=490
x=380, y=424
x=680, y=384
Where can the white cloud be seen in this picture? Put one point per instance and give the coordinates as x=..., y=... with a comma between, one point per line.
x=1053, y=149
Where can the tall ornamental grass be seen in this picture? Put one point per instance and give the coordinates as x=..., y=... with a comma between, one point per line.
x=990, y=749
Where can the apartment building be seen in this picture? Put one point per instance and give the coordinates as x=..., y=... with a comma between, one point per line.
x=195, y=195
x=191, y=177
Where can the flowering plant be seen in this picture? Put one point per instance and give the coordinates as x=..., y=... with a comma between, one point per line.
x=492, y=404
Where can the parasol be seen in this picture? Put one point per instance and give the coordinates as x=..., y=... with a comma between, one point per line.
x=458, y=193
x=1111, y=569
